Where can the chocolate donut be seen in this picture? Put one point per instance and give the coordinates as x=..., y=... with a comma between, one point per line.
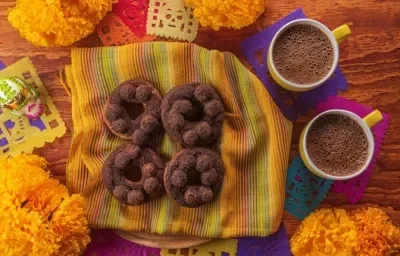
x=144, y=164
x=123, y=102
x=194, y=176
x=192, y=114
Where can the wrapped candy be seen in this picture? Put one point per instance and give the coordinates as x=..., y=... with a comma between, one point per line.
x=19, y=97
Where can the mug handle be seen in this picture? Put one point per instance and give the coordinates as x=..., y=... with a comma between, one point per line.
x=373, y=118
x=341, y=33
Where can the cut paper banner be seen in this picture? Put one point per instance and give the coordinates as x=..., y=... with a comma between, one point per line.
x=217, y=247
x=108, y=243
x=304, y=190
x=276, y=244
x=291, y=104
x=112, y=31
x=171, y=19
x=134, y=14
x=20, y=135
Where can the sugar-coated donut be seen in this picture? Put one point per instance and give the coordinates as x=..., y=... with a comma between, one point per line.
x=192, y=114
x=124, y=100
x=129, y=158
x=194, y=177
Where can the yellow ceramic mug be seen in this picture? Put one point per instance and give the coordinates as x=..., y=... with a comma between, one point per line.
x=336, y=36
x=366, y=123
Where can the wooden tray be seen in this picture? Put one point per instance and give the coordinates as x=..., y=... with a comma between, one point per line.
x=162, y=241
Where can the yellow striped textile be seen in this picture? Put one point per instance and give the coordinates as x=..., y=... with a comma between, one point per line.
x=254, y=147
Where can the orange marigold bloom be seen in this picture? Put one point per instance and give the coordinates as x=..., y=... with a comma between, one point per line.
x=57, y=22
x=226, y=13
x=376, y=235
x=325, y=232
x=37, y=215
x=361, y=232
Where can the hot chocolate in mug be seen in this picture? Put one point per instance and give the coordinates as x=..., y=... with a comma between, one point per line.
x=365, y=123
x=335, y=37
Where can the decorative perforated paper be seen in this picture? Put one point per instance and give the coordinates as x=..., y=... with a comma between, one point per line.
x=304, y=190
x=220, y=247
x=134, y=14
x=354, y=188
x=20, y=135
x=276, y=244
x=170, y=18
x=112, y=31
x=290, y=103
x=107, y=243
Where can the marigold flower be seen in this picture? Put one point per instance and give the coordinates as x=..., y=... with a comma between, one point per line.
x=362, y=232
x=227, y=13
x=57, y=22
x=376, y=235
x=325, y=232
x=37, y=215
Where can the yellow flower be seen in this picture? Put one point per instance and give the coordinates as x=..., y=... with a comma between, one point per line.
x=57, y=22
x=325, y=232
x=362, y=232
x=37, y=216
x=227, y=13
x=376, y=234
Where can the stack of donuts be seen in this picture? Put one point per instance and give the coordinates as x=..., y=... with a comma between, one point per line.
x=191, y=114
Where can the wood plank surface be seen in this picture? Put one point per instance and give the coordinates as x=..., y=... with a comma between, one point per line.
x=370, y=59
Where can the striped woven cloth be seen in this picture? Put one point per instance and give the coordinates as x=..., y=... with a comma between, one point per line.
x=254, y=147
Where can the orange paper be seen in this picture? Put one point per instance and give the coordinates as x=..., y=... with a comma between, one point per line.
x=112, y=31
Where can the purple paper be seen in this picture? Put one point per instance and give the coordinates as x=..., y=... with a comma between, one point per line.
x=2, y=65
x=354, y=188
x=290, y=103
x=38, y=123
x=107, y=243
x=276, y=244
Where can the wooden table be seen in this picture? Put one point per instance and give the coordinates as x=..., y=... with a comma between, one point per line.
x=370, y=59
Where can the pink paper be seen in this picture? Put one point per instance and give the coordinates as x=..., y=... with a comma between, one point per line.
x=134, y=14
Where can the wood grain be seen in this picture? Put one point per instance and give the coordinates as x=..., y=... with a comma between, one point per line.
x=370, y=58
